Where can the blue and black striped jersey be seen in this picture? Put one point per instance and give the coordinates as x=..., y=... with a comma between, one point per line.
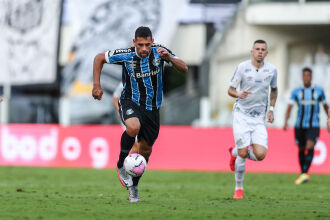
x=308, y=100
x=142, y=77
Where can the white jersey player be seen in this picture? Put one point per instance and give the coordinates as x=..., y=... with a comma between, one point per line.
x=254, y=77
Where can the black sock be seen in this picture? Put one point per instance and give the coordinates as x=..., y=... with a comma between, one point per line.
x=137, y=179
x=301, y=159
x=126, y=145
x=308, y=160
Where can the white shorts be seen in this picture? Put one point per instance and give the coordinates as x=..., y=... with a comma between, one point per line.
x=249, y=130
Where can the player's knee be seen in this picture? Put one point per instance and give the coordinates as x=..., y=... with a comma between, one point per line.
x=243, y=154
x=133, y=129
x=260, y=156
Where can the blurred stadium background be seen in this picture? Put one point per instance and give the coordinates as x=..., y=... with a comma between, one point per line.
x=49, y=118
x=47, y=50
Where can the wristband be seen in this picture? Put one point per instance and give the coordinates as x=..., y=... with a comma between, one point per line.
x=271, y=108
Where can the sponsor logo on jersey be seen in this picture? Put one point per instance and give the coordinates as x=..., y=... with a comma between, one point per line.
x=239, y=142
x=111, y=53
x=247, y=70
x=249, y=78
x=123, y=51
x=132, y=64
x=308, y=102
x=268, y=78
x=129, y=111
x=258, y=80
x=266, y=70
x=155, y=62
x=151, y=73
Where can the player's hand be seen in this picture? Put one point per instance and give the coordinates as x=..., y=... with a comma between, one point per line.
x=244, y=94
x=164, y=54
x=97, y=92
x=285, y=127
x=1, y=99
x=328, y=125
x=270, y=116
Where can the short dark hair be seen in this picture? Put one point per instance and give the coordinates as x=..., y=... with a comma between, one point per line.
x=259, y=42
x=143, y=32
x=307, y=69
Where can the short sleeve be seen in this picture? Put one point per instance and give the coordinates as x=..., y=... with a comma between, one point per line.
x=273, y=82
x=322, y=97
x=117, y=56
x=236, y=79
x=293, y=97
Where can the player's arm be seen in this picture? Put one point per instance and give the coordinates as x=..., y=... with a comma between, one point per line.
x=287, y=116
x=233, y=93
x=99, y=60
x=272, y=101
x=326, y=108
x=1, y=99
x=176, y=62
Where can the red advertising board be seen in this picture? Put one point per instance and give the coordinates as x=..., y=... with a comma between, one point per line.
x=177, y=148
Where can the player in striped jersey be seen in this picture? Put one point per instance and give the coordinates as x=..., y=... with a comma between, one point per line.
x=307, y=128
x=141, y=98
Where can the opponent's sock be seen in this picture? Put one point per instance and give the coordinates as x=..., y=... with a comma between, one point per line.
x=239, y=172
x=126, y=145
x=251, y=155
x=308, y=160
x=301, y=159
x=234, y=152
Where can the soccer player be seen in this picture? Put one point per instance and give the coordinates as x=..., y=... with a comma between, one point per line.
x=141, y=98
x=307, y=128
x=254, y=77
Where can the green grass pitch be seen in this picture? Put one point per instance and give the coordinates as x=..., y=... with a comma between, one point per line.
x=66, y=193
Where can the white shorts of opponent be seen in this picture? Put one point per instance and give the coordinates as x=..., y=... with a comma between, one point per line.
x=249, y=130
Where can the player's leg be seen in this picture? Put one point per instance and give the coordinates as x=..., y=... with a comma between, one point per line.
x=145, y=150
x=310, y=154
x=312, y=135
x=128, y=139
x=301, y=141
x=130, y=116
x=146, y=137
x=135, y=148
x=240, y=172
x=259, y=141
x=257, y=152
x=242, y=137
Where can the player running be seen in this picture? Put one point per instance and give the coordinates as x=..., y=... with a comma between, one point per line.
x=307, y=128
x=141, y=98
x=254, y=77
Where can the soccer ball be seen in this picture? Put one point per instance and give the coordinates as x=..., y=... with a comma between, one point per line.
x=135, y=164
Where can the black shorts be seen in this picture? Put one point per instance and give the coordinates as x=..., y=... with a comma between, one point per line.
x=304, y=134
x=149, y=119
